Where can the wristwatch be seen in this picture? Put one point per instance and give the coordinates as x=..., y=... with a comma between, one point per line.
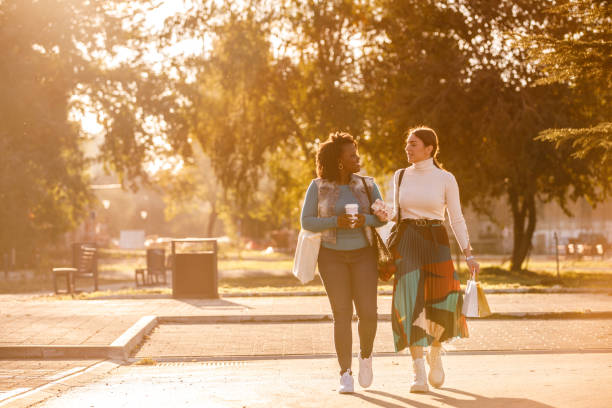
x=469, y=258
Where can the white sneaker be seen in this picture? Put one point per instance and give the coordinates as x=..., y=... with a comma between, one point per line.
x=365, y=371
x=436, y=371
x=347, y=385
x=419, y=384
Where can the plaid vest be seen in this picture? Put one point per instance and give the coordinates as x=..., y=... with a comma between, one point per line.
x=328, y=195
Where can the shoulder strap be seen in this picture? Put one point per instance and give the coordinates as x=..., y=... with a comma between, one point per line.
x=367, y=190
x=399, y=183
x=374, y=233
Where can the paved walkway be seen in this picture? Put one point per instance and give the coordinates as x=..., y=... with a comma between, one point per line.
x=484, y=381
x=298, y=339
x=18, y=376
x=44, y=321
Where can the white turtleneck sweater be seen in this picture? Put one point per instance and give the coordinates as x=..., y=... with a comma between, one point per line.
x=426, y=192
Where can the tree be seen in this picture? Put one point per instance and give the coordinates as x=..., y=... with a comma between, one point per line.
x=575, y=49
x=233, y=113
x=324, y=44
x=43, y=185
x=134, y=89
x=190, y=191
x=449, y=65
x=258, y=109
x=61, y=59
x=318, y=47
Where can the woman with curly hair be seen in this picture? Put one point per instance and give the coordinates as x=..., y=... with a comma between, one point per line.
x=347, y=259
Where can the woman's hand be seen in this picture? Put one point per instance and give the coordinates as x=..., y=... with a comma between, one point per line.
x=381, y=210
x=360, y=221
x=474, y=267
x=346, y=221
x=382, y=215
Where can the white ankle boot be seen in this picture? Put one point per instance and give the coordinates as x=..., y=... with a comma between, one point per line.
x=365, y=371
x=419, y=384
x=436, y=371
x=346, y=383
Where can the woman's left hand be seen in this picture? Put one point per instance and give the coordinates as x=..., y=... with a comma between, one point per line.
x=474, y=268
x=360, y=221
x=381, y=215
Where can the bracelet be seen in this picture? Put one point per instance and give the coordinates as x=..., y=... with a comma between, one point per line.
x=469, y=258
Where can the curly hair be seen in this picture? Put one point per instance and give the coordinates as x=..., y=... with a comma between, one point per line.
x=328, y=155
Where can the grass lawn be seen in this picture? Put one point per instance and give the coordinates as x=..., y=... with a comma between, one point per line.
x=491, y=278
x=256, y=265
x=500, y=278
x=255, y=272
x=45, y=284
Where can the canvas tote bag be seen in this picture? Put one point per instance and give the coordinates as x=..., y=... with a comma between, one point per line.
x=306, y=255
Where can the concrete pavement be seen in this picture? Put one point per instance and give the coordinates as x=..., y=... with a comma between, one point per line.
x=275, y=338
x=46, y=321
x=286, y=340
x=18, y=376
x=526, y=381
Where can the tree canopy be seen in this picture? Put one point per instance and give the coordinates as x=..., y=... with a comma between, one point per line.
x=43, y=182
x=575, y=49
x=256, y=85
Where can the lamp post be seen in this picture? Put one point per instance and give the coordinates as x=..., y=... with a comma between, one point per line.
x=106, y=221
x=144, y=215
x=557, y=255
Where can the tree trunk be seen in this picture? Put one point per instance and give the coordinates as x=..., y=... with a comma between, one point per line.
x=524, y=216
x=212, y=219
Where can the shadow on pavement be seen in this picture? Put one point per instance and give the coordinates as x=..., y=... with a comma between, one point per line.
x=211, y=303
x=475, y=401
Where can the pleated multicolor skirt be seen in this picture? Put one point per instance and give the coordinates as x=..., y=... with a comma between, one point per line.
x=427, y=298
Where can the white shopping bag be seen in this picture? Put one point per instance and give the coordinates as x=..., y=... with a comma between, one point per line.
x=470, y=300
x=306, y=255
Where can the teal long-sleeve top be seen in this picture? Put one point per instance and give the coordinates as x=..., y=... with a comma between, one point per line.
x=346, y=239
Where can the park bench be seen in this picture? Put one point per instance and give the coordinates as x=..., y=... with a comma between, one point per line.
x=85, y=267
x=155, y=272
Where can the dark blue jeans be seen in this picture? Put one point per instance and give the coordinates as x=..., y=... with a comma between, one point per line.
x=350, y=276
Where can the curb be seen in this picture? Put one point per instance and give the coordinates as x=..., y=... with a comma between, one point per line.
x=59, y=351
x=585, y=315
x=549, y=290
x=221, y=319
x=546, y=291
x=124, y=344
x=122, y=347
x=384, y=317
x=390, y=292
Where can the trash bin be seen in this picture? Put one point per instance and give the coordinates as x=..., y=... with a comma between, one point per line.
x=194, y=268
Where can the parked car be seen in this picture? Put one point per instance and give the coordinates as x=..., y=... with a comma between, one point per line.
x=587, y=244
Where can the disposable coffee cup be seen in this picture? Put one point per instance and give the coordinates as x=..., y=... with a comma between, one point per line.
x=351, y=209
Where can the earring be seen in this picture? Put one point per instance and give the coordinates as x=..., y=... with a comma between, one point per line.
x=340, y=166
